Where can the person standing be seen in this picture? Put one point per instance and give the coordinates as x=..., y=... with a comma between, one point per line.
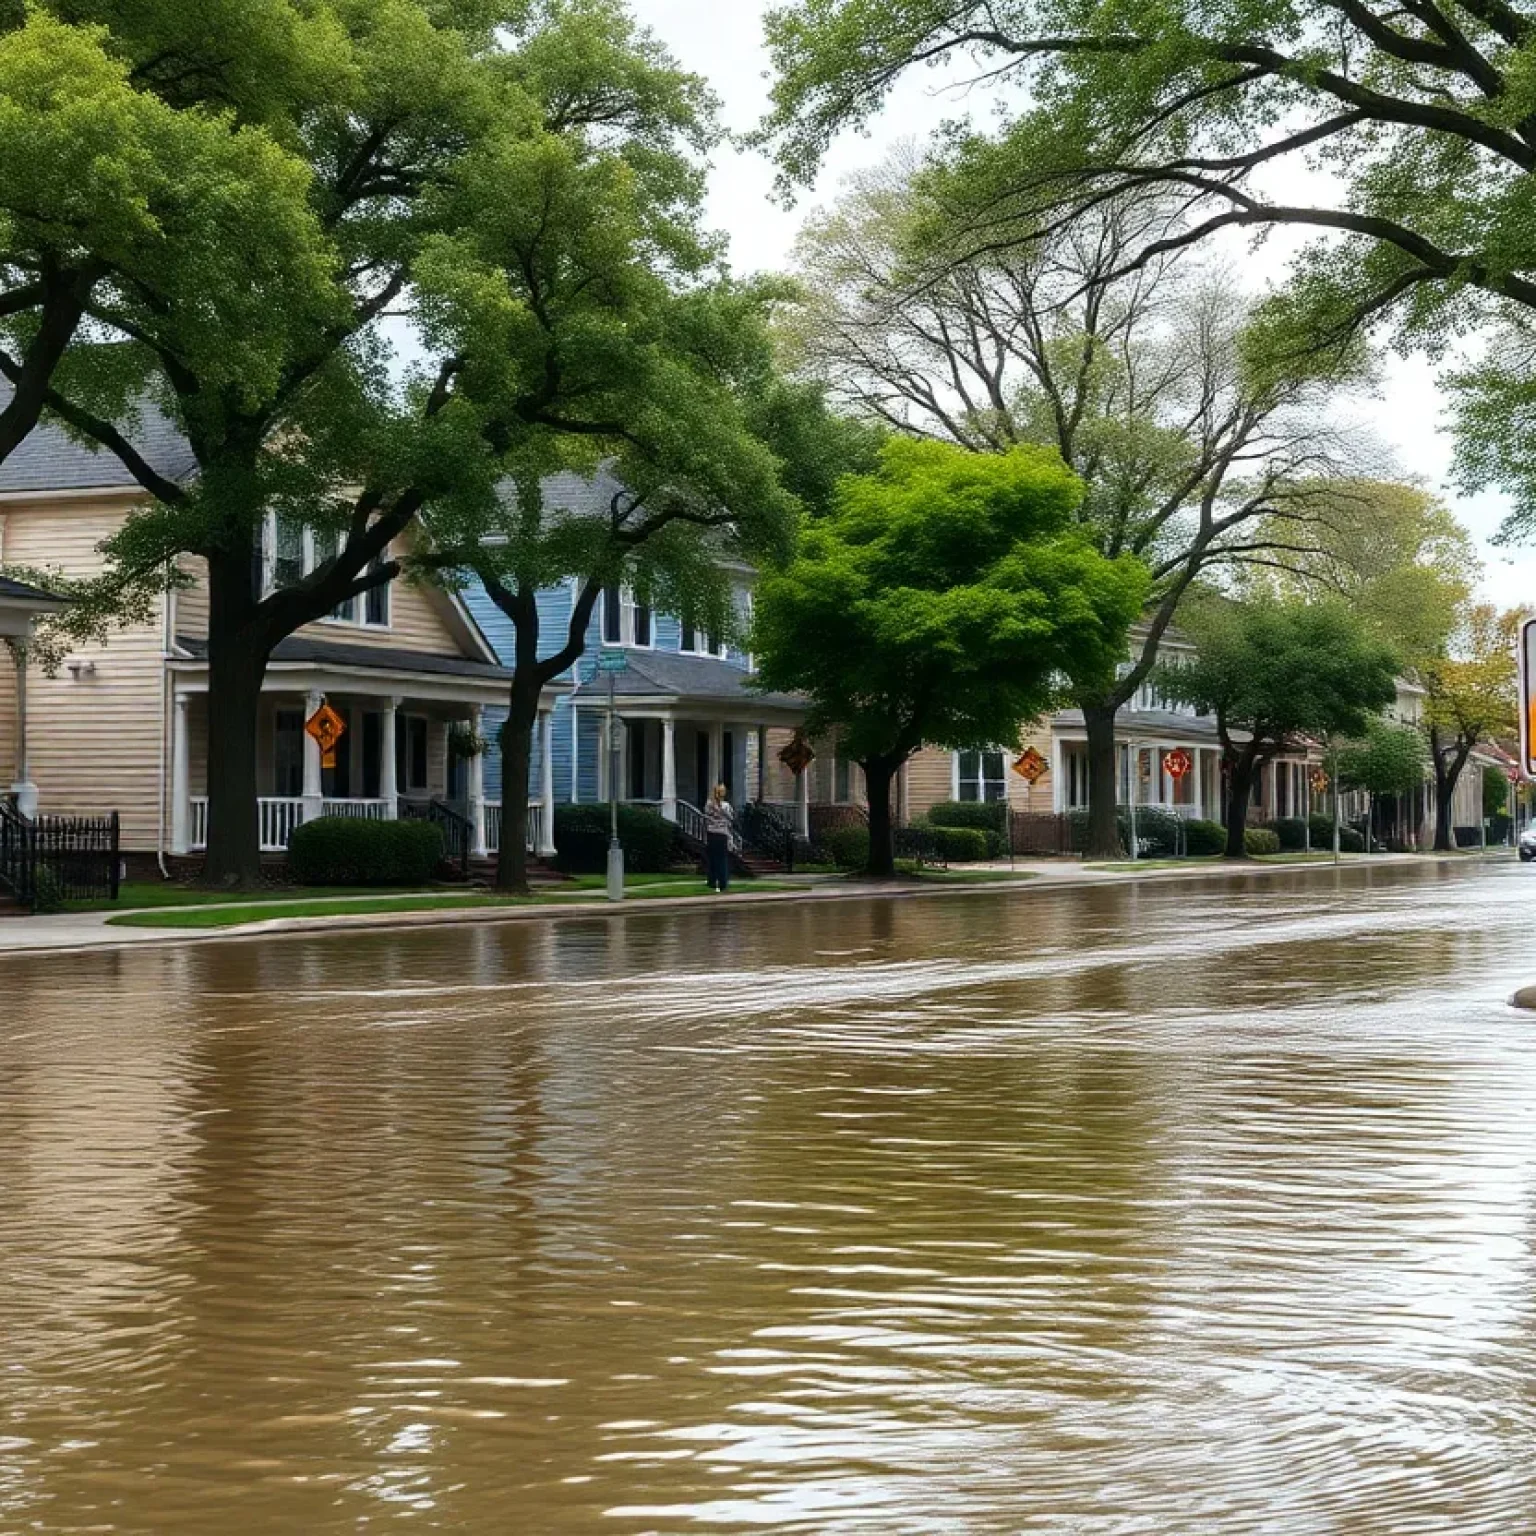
x=719, y=829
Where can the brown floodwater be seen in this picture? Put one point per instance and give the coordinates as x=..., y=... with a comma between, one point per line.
x=1186, y=1208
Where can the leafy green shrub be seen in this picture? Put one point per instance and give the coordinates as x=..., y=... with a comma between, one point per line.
x=989, y=817
x=984, y=815
x=582, y=834
x=1157, y=831
x=345, y=850
x=49, y=893
x=961, y=845
x=1350, y=841
x=1260, y=840
x=1292, y=832
x=1204, y=837
x=1498, y=827
x=848, y=846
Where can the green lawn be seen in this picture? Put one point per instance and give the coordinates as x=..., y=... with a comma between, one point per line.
x=645, y=888
x=133, y=894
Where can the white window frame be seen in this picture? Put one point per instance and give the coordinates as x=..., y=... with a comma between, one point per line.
x=954, y=775
x=405, y=786
x=358, y=602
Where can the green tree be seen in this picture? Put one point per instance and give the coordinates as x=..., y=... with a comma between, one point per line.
x=1469, y=696
x=940, y=601
x=1272, y=670
x=111, y=193
x=1388, y=760
x=1420, y=118
x=402, y=118
x=1191, y=460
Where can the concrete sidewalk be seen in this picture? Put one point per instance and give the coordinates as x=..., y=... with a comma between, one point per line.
x=84, y=931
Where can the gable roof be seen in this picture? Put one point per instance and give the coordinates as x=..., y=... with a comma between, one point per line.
x=49, y=459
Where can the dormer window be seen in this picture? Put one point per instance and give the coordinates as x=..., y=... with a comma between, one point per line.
x=624, y=621
x=289, y=552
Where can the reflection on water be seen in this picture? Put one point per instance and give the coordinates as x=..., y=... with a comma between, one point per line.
x=1165, y=1209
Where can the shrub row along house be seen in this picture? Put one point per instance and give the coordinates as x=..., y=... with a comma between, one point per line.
x=416, y=675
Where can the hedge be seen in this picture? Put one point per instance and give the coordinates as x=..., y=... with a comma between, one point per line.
x=1204, y=837
x=582, y=834
x=1156, y=830
x=1257, y=840
x=1350, y=841
x=960, y=845
x=989, y=817
x=1292, y=832
x=848, y=846
x=347, y=850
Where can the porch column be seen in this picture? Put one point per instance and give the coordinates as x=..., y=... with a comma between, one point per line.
x=803, y=801
x=669, y=768
x=474, y=789
x=546, y=843
x=1164, y=781
x=24, y=790
x=1058, y=775
x=314, y=791
x=762, y=762
x=181, y=777
x=1198, y=772
x=389, y=783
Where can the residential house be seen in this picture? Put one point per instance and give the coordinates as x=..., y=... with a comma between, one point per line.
x=124, y=725
x=684, y=713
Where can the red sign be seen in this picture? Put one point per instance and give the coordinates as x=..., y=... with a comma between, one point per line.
x=1029, y=765
x=1177, y=763
x=327, y=728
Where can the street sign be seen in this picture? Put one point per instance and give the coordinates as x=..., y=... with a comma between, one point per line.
x=1527, y=660
x=326, y=727
x=797, y=756
x=1029, y=765
x=1319, y=781
x=1177, y=763
x=612, y=661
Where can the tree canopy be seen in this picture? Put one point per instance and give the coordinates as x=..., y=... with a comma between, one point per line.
x=1192, y=459
x=1274, y=670
x=942, y=600
x=1419, y=121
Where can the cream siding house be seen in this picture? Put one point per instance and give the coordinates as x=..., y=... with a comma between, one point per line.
x=123, y=725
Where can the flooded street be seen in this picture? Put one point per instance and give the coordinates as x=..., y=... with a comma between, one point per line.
x=1172, y=1208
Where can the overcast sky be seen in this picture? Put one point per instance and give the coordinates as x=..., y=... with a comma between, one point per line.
x=722, y=40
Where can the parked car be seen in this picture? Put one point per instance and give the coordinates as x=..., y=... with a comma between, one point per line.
x=1527, y=845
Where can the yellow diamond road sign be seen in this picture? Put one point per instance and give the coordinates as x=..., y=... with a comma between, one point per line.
x=1528, y=698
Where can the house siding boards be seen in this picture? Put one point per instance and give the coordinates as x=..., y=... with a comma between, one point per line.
x=74, y=720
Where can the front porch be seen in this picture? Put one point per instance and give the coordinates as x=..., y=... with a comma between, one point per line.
x=416, y=753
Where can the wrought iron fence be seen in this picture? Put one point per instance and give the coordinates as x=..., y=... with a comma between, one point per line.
x=458, y=831
x=923, y=845
x=52, y=859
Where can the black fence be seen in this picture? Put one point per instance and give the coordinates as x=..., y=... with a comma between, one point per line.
x=53, y=859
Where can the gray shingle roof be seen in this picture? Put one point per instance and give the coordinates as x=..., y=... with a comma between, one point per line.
x=1148, y=722
x=22, y=592
x=48, y=459
x=674, y=674
x=338, y=653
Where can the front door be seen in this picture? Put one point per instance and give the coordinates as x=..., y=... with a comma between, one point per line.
x=728, y=764
x=373, y=752
x=701, y=765
x=288, y=754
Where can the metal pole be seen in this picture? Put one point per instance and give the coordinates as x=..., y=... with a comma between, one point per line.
x=615, y=847
x=1133, y=758
x=1335, y=805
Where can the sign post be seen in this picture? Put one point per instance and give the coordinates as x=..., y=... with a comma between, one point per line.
x=1176, y=764
x=1031, y=767
x=613, y=662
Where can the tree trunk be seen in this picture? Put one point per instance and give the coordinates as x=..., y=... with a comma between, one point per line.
x=1239, y=794
x=879, y=775
x=1103, y=788
x=1448, y=761
x=237, y=662
x=516, y=760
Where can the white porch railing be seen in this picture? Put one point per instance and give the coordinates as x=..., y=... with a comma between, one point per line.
x=277, y=816
x=493, y=826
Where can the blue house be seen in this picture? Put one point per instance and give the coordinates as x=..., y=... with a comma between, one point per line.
x=684, y=717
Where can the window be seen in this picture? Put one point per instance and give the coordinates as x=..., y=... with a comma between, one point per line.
x=690, y=639
x=611, y=625
x=980, y=776
x=642, y=624
x=411, y=753
x=288, y=552
x=842, y=786
x=288, y=753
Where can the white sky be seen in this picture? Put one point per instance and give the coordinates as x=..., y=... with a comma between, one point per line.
x=722, y=40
